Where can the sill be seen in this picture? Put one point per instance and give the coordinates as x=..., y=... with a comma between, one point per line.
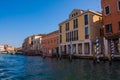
x=118, y=10
x=107, y=14
x=110, y=33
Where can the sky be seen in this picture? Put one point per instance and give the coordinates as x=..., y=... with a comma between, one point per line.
x=22, y=18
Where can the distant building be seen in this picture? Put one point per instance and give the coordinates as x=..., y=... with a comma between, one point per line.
x=2, y=48
x=32, y=44
x=26, y=46
x=80, y=31
x=111, y=22
x=50, y=43
x=5, y=48
x=9, y=48
x=36, y=41
x=18, y=49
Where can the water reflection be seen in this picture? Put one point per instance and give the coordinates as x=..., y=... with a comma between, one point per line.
x=14, y=67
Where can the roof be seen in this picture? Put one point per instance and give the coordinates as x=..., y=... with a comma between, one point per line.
x=84, y=12
x=57, y=31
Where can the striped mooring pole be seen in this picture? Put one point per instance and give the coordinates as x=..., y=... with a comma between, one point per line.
x=97, y=50
x=112, y=48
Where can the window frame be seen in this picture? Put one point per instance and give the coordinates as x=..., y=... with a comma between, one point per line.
x=106, y=28
x=105, y=10
x=67, y=26
x=118, y=5
x=86, y=21
x=86, y=32
x=60, y=29
x=119, y=25
x=75, y=23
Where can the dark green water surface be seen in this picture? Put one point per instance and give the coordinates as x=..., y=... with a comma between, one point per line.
x=15, y=67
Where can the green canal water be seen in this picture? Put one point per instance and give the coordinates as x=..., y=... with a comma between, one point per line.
x=16, y=67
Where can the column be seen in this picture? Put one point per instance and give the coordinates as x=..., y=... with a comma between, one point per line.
x=77, y=48
x=71, y=48
x=119, y=40
x=67, y=49
x=59, y=49
x=90, y=46
x=119, y=45
x=62, y=50
x=83, y=49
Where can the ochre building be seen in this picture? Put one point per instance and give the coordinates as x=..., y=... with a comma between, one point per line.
x=80, y=30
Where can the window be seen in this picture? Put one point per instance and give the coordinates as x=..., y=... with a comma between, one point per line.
x=57, y=41
x=101, y=31
x=68, y=37
x=76, y=13
x=86, y=33
x=60, y=38
x=60, y=29
x=107, y=10
x=108, y=28
x=54, y=41
x=119, y=5
x=86, y=19
x=72, y=36
x=75, y=23
x=72, y=15
x=119, y=25
x=67, y=26
x=76, y=34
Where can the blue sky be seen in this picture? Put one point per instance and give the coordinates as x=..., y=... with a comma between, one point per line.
x=21, y=18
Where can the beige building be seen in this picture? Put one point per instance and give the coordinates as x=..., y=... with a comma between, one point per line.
x=80, y=30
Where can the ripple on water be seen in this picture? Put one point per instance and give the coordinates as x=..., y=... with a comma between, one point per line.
x=14, y=67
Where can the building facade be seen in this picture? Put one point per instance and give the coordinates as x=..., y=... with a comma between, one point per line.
x=111, y=24
x=50, y=43
x=80, y=31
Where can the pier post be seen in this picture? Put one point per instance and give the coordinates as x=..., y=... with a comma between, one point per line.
x=97, y=50
x=71, y=52
x=60, y=52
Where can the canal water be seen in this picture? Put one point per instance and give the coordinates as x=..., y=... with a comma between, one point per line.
x=16, y=67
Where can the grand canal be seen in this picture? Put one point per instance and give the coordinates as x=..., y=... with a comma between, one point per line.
x=15, y=67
